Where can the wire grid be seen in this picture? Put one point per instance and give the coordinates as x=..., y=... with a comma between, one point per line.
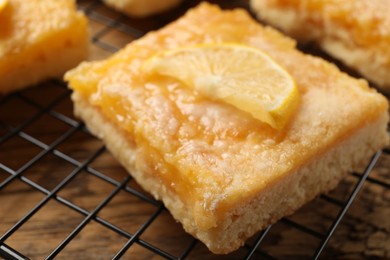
x=44, y=131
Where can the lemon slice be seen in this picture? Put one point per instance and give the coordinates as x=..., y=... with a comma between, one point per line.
x=3, y=3
x=242, y=76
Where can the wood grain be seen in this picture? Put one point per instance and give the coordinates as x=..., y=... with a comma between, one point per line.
x=363, y=233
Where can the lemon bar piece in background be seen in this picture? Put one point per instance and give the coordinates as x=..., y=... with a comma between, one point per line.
x=141, y=8
x=223, y=174
x=39, y=39
x=357, y=32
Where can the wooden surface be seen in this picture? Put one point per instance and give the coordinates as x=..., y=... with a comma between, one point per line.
x=363, y=233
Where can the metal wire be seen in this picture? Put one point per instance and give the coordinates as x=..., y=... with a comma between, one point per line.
x=8, y=132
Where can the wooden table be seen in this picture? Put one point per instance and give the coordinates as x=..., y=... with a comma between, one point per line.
x=66, y=174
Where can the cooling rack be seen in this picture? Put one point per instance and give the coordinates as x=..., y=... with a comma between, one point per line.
x=62, y=195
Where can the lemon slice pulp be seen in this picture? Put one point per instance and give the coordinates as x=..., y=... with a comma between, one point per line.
x=3, y=3
x=236, y=74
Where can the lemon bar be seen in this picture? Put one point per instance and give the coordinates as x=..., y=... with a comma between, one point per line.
x=222, y=173
x=141, y=8
x=39, y=39
x=357, y=32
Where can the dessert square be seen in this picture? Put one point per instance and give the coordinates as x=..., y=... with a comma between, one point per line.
x=357, y=32
x=39, y=39
x=223, y=174
x=141, y=8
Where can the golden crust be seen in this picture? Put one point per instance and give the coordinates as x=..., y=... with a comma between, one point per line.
x=355, y=31
x=213, y=158
x=39, y=39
